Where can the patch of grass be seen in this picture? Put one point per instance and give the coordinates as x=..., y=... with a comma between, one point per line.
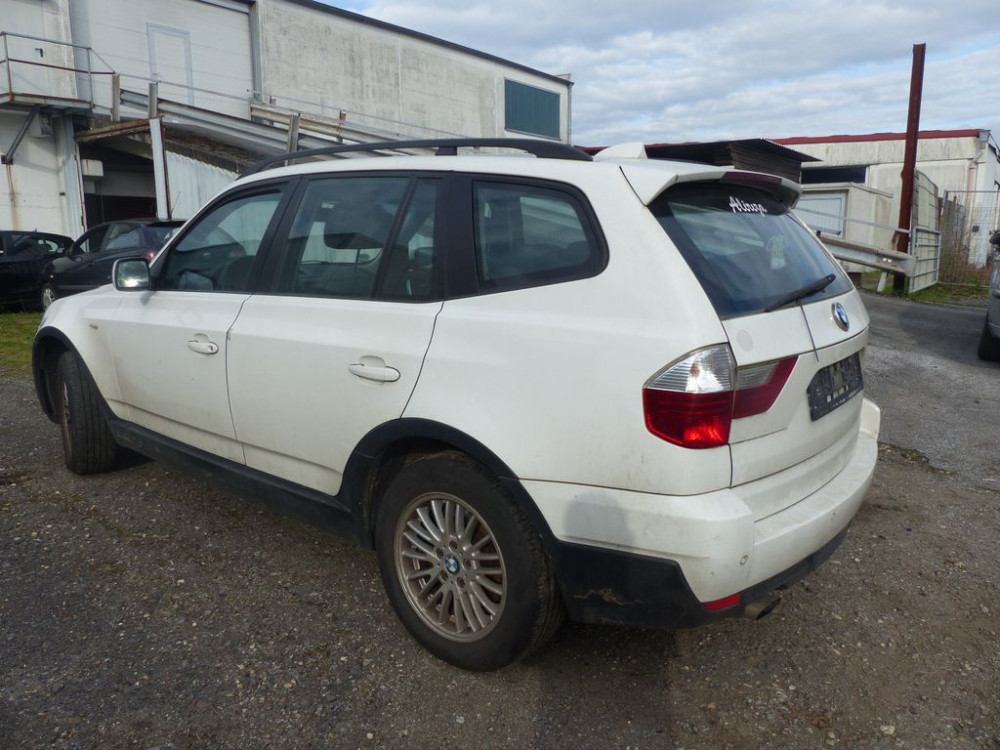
x=974, y=293
x=955, y=294
x=17, y=330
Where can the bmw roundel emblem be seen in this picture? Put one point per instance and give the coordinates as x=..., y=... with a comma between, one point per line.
x=840, y=316
x=452, y=565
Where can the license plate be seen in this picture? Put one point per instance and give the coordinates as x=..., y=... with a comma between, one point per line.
x=834, y=386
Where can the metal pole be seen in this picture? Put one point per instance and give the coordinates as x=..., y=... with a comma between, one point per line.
x=910, y=156
x=159, y=168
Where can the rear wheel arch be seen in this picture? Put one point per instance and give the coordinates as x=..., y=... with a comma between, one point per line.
x=384, y=451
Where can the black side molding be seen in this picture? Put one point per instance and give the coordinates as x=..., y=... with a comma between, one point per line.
x=303, y=503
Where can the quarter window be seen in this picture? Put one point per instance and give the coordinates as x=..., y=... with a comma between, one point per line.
x=528, y=235
x=216, y=254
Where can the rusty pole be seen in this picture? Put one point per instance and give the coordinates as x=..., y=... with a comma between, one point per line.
x=910, y=157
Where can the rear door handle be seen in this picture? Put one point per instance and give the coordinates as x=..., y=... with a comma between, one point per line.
x=203, y=346
x=378, y=373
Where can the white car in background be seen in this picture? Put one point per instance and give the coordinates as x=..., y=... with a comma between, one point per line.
x=625, y=390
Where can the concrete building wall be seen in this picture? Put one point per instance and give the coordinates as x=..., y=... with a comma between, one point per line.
x=31, y=189
x=964, y=165
x=192, y=47
x=315, y=59
x=42, y=19
x=861, y=209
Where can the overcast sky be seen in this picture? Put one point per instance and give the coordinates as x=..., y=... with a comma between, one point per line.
x=671, y=70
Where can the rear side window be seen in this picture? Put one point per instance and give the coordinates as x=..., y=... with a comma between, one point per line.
x=528, y=235
x=745, y=247
x=364, y=236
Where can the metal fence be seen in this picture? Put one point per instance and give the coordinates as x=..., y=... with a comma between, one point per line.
x=969, y=217
x=925, y=235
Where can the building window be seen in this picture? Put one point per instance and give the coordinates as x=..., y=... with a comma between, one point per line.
x=823, y=175
x=531, y=110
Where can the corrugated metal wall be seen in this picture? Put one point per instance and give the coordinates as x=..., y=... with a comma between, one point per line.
x=192, y=184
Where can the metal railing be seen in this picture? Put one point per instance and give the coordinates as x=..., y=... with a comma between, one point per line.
x=28, y=81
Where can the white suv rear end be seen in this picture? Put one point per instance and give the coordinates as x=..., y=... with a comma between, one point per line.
x=625, y=390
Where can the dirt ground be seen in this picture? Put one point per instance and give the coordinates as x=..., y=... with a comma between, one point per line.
x=142, y=609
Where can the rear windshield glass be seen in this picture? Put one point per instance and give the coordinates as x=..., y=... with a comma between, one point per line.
x=747, y=250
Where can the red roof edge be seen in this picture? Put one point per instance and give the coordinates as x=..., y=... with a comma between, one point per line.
x=924, y=134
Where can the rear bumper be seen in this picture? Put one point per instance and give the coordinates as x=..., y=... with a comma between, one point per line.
x=652, y=560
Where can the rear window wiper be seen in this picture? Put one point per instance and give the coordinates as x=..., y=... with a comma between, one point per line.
x=817, y=286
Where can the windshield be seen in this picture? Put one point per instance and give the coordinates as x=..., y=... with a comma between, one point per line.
x=747, y=250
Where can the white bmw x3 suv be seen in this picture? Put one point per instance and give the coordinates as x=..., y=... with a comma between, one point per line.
x=625, y=390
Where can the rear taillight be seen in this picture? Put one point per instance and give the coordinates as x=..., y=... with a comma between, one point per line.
x=693, y=402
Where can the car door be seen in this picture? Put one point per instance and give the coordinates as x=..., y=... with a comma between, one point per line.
x=170, y=344
x=68, y=274
x=94, y=270
x=336, y=347
x=22, y=258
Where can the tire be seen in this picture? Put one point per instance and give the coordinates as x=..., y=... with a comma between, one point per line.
x=88, y=447
x=483, y=595
x=989, y=347
x=48, y=296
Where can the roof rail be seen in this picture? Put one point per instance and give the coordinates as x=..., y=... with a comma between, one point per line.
x=444, y=146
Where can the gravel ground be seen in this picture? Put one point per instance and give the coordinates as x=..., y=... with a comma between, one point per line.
x=141, y=609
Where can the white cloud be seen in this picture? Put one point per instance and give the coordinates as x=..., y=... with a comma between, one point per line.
x=669, y=71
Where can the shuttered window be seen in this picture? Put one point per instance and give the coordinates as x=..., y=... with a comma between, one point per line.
x=531, y=110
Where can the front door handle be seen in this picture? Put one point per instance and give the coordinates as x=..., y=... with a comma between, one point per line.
x=378, y=373
x=203, y=346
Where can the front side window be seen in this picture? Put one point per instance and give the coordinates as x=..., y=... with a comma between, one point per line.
x=217, y=252
x=528, y=235
x=746, y=248
x=364, y=236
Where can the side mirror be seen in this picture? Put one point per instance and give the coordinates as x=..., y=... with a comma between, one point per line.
x=130, y=275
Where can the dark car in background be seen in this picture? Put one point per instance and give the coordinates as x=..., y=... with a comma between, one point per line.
x=23, y=255
x=87, y=264
x=989, y=339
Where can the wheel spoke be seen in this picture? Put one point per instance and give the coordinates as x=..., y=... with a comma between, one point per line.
x=444, y=612
x=481, y=598
x=422, y=573
x=480, y=544
x=470, y=528
x=461, y=615
x=483, y=616
x=432, y=526
x=432, y=594
x=418, y=544
x=421, y=530
x=440, y=516
x=490, y=585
